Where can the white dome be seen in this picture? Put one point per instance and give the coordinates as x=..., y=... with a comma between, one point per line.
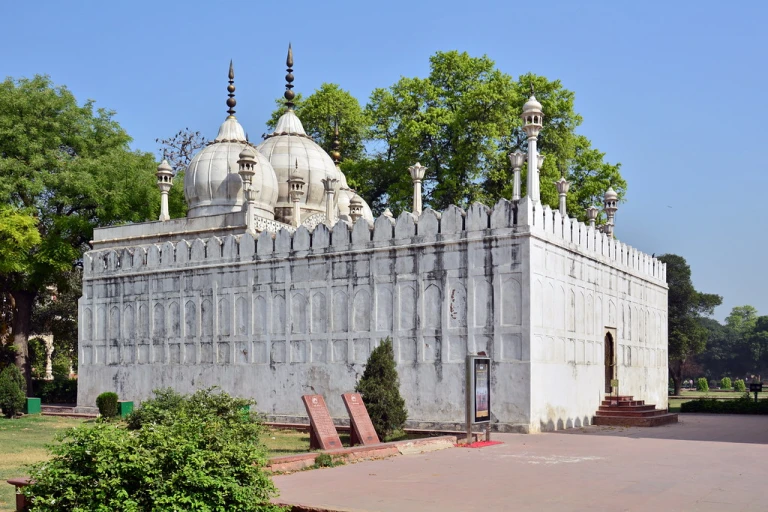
x=532, y=105
x=212, y=185
x=286, y=146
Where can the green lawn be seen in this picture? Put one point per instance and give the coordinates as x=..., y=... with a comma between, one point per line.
x=22, y=442
x=674, y=403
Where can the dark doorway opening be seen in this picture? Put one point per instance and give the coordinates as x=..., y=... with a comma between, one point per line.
x=609, y=366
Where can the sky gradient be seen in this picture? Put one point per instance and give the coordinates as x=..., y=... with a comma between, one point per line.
x=672, y=90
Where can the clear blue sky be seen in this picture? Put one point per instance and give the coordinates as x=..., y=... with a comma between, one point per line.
x=675, y=91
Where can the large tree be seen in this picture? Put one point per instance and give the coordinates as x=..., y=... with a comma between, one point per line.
x=687, y=336
x=64, y=168
x=461, y=122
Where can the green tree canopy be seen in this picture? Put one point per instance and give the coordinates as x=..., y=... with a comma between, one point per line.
x=687, y=336
x=461, y=122
x=67, y=168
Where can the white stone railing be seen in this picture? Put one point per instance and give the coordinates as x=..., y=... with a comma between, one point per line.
x=428, y=228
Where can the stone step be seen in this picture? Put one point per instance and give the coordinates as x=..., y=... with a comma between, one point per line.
x=628, y=408
x=629, y=414
x=623, y=403
x=57, y=408
x=620, y=398
x=70, y=415
x=651, y=421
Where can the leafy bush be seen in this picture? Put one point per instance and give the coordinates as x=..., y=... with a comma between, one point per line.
x=702, y=385
x=56, y=391
x=742, y=405
x=107, y=404
x=207, y=456
x=326, y=460
x=162, y=409
x=12, y=391
x=725, y=383
x=380, y=390
x=739, y=385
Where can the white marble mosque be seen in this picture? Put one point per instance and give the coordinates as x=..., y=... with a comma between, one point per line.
x=279, y=282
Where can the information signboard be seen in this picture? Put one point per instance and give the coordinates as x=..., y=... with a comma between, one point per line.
x=478, y=389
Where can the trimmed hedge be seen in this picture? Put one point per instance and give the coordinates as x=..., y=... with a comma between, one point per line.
x=739, y=385
x=725, y=383
x=56, y=391
x=107, y=404
x=702, y=384
x=744, y=405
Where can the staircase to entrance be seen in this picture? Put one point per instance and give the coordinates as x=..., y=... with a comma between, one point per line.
x=626, y=411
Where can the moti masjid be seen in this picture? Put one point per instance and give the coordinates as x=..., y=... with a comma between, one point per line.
x=280, y=282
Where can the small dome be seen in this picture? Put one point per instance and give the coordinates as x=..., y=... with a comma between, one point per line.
x=249, y=153
x=212, y=185
x=284, y=148
x=532, y=105
x=611, y=195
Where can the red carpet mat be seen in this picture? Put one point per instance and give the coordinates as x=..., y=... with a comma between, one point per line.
x=478, y=444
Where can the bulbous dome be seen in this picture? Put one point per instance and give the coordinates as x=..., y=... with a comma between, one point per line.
x=532, y=105
x=212, y=185
x=288, y=146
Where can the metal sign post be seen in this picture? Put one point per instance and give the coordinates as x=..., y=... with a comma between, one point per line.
x=478, y=394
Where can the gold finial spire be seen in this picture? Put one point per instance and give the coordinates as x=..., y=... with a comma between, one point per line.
x=289, y=94
x=335, y=145
x=231, y=102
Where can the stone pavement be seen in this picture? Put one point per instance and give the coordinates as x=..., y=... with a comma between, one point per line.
x=706, y=462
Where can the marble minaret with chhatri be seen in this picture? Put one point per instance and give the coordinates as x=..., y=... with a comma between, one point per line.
x=279, y=282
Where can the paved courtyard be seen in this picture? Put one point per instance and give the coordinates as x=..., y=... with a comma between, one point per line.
x=706, y=462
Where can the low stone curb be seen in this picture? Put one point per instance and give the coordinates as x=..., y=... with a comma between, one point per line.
x=292, y=463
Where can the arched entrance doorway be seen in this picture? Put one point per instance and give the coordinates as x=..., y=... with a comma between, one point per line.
x=609, y=366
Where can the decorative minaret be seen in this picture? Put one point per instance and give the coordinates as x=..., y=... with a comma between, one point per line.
x=246, y=168
x=355, y=208
x=562, y=190
x=532, y=123
x=296, y=190
x=610, y=203
x=164, y=183
x=517, y=159
x=592, y=212
x=289, y=94
x=330, y=183
x=417, y=175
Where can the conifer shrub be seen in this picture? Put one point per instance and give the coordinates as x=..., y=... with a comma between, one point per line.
x=739, y=385
x=380, y=390
x=12, y=391
x=725, y=383
x=107, y=404
x=206, y=456
x=702, y=384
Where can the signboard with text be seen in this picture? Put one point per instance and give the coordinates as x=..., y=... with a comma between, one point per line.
x=361, y=429
x=478, y=389
x=322, y=434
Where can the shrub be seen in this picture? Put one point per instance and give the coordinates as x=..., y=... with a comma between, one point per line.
x=739, y=385
x=206, y=457
x=380, y=390
x=742, y=405
x=12, y=391
x=725, y=383
x=702, y=385
x=162, y=409
x=107, y=404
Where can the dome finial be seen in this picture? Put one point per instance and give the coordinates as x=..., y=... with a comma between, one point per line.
x=532, y=89
x=231, y=102
x=335, y=145
x=289, y=94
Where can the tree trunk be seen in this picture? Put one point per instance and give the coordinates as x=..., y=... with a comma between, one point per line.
x=676, y=373
x=22, y=323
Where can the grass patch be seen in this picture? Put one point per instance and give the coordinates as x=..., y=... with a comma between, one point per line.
x=22, y=442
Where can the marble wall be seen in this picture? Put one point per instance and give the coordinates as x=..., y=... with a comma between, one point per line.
x=282, y=315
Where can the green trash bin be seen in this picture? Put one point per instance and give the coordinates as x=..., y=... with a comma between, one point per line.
x=33, y=406
x=124, y=408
